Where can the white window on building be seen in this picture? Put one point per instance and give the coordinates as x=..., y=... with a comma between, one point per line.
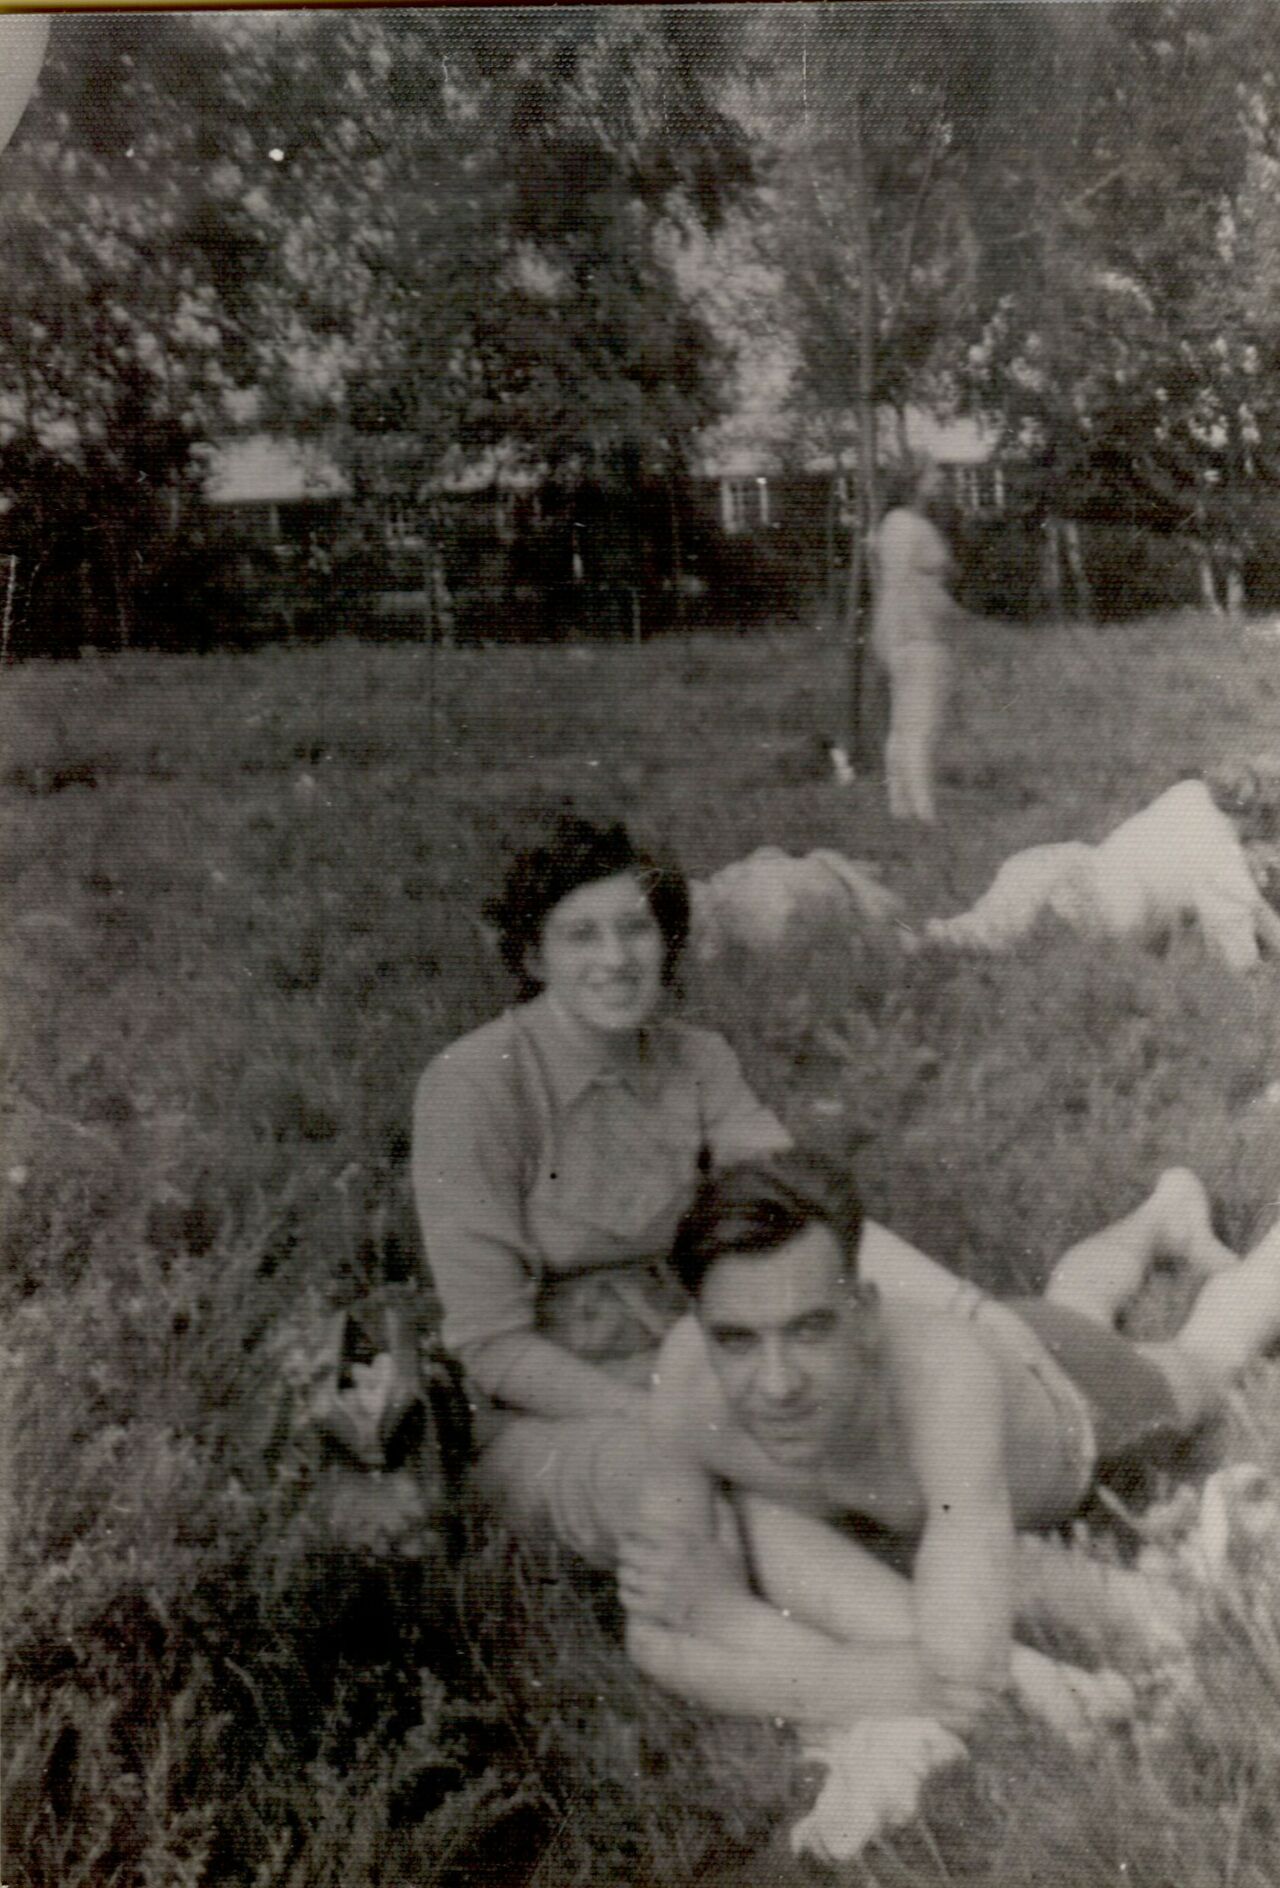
x=744, y=504
x=401, y=525
x=978, y=489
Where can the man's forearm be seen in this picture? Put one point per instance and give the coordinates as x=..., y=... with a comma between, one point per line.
x=762, y=1665
x=963, y=1597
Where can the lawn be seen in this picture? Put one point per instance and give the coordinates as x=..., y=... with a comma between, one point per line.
x=242, y=902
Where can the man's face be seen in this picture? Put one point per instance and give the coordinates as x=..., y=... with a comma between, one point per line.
x=790, y=1342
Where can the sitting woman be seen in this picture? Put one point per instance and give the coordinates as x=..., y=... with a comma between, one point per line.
x=555, y=1150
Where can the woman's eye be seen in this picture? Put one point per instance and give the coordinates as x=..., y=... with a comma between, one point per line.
x=642, y=925
x=736, y=1343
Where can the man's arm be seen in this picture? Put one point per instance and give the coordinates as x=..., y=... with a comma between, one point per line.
x=962, y=1584
x=831, y=1637
x=903, y=1271
x=693, y=1623
x=695, y=1627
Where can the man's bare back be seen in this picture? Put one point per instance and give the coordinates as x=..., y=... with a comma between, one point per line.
x=873, y=1471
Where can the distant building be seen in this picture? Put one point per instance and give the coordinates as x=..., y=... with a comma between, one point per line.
x=278, y=490
x=760, y=488
x=490, y=546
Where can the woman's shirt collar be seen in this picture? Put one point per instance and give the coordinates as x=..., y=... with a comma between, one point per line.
x=575, y=1060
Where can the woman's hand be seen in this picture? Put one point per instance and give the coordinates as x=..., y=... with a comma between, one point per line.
x=530, y=1373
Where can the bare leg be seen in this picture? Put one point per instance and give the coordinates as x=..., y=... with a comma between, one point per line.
x=929, y=677
x=1099, y=1276
x=899, y=804
x=1235, y=1318
x=918, y=684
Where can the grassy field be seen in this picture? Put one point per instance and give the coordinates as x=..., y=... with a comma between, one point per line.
x=240, y=896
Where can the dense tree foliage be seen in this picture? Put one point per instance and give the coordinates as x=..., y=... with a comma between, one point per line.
x=434, y=238
x=122, y=323
x=467, y=217
x=390, y=227
x=1129, y=238
x=1061, y=216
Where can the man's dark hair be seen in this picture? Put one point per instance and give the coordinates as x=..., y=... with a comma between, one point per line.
x=758, y=1205
x=578, y=851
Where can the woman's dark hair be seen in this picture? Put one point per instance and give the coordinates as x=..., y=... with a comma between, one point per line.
x=758, y=1205
x=575, y=852
x=899, y=486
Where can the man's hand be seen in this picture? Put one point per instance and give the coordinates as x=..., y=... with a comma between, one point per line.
x=674, y=1577
x=876, y=1770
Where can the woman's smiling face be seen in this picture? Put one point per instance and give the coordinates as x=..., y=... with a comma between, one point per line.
x=602, y=954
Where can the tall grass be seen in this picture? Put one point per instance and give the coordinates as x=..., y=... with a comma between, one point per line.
x=240, y=896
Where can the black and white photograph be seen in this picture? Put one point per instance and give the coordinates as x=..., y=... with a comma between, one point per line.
x=640, y=786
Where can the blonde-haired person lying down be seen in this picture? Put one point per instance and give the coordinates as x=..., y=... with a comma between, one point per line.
x=817, y=1399
x=1178, y=858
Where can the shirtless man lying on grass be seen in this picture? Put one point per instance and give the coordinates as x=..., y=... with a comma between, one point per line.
x=795, y=1385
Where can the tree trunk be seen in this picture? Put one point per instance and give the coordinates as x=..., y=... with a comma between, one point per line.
x=865, y=520
x=677, y=557
x=123, y=625
x=10, y=589
x=1080, y=586
x=429, y=630
x=1208, y=584
x=831, y=573
x=441, y=599
x=1051, y=569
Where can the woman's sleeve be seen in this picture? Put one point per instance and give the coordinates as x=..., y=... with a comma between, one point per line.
x=735, y=1121
x=894, y=545
x=468, y=1160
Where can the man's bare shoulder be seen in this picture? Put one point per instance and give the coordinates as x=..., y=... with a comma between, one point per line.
x=925, y=1344
x=948, y=1390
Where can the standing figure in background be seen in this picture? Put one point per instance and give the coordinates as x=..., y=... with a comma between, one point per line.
x=908, y=633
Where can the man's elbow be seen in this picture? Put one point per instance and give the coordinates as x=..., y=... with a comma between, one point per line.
x=652, y=1649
